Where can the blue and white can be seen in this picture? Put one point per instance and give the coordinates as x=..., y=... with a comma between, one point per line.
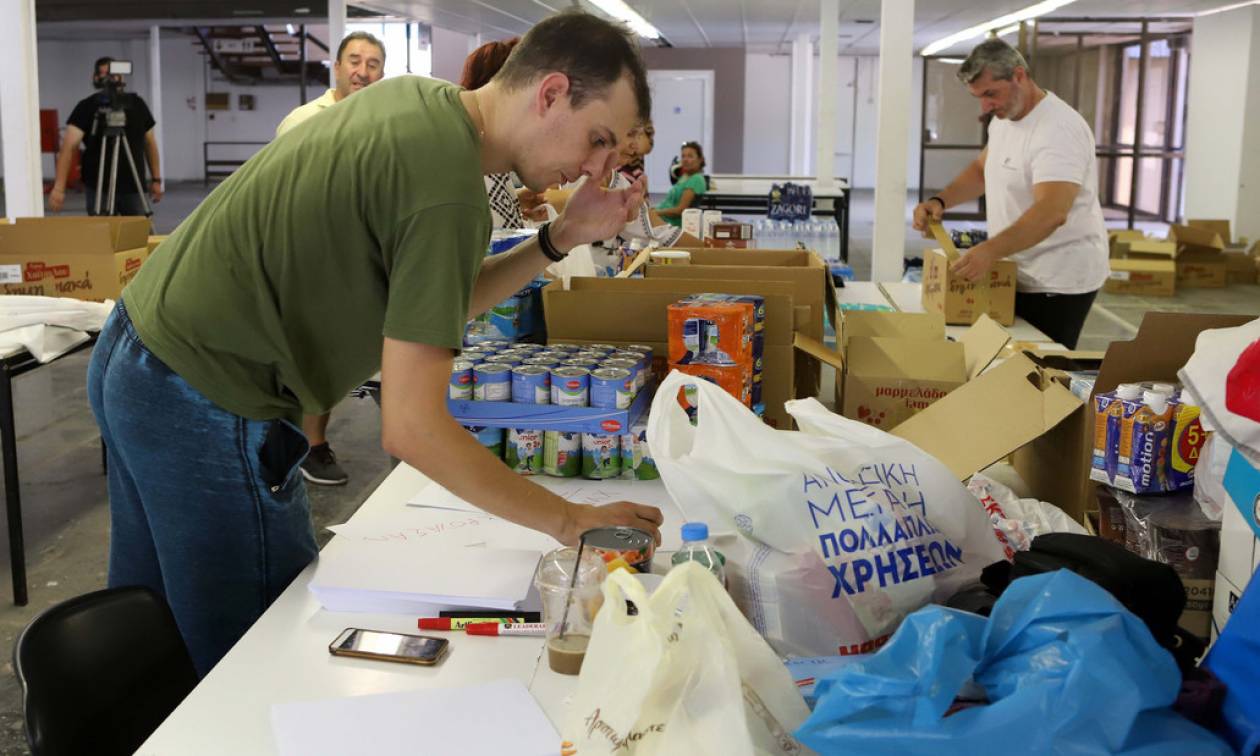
x=564, y=347
x=492, y=382
x=511, y=359
x=491, y=438
x=570, y=386
x=526, y=346
x=643, y=362
x=494, y=345
x=602, y=348
x=461, y=387
x=547, y=362
x=589, y=363
x=636, y=374
x=611, y=388
x=642, y=349
x=475, y=356
x=531, y=384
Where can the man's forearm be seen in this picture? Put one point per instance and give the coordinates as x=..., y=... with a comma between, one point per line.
x=967, y=186
x=438, y=447
x=1033, y=227
x=64, y=157
x=503, y=275
x=151, y=150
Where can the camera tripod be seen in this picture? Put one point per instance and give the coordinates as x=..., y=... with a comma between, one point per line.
x=115, y=137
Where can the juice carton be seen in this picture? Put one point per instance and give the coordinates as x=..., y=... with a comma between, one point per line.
x=711, y=329
x=1144, y=440
x=1108, y=412
x=1120, y=443
x=1188, y=438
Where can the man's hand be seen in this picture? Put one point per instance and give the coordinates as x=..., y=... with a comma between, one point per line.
x=975, y=263
x=155, y=188
x=926, y=212
x=594, y=213
x=580, y=518
x=56, y=199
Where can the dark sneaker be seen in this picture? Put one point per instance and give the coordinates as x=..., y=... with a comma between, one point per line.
x=320, y=467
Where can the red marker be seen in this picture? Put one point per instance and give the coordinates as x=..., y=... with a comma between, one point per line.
x=535, y=629
x=459, y=623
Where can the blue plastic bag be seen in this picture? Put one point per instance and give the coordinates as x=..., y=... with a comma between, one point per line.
x=1065, y=668
x=1235, y=660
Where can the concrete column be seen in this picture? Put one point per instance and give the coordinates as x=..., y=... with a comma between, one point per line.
x=19, y=110
x=896, y=82
x=828, y=92
x=1223, y=126
x=336, y=31
x=155, y=94
x=802, y=105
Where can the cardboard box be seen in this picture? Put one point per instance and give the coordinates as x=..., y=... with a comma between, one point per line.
x=812, y=290
x=634, y=311
x=154, y=241
x=1115, y=240
x=1151, y=278
x=89, y=258
x=1148, y=249
x=1241, y=268
x=1218, y=227
x=961, y=302
x=888, y=379
x=1056, y=464
x=1192, y=240
x=1203, y=272
x=729, y=235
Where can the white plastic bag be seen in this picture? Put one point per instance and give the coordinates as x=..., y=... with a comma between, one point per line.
x=847, y=528
x=685, y=675
x=1209, y=477
x=1018, y=521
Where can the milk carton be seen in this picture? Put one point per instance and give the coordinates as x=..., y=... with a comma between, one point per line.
x=1144, y=439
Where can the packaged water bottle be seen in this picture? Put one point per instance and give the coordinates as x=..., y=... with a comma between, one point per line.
x=696, y=548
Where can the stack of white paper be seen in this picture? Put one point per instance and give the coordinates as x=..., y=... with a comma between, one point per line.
x=415, y=577
x=497, y=718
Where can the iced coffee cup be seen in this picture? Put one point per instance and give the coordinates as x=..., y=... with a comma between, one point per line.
x=569, y=606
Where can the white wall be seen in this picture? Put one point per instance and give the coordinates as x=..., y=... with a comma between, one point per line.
x=767, y=123
x=1223, y=120
x=450, y=49
x=767, y=98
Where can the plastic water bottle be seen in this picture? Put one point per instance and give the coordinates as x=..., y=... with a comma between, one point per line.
x=696, y=548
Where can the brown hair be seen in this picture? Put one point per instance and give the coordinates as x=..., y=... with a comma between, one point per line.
x=483, y=63
x=591, y=52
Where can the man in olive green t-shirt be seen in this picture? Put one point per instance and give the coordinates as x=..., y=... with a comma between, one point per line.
x=334, y=252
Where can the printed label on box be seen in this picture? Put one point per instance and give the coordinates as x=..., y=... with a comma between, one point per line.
x=1119, y=275
x=10, y=274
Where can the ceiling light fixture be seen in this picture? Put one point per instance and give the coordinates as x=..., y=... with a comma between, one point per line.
x=1224, y=8
x=1001, y=22
x=622, y=12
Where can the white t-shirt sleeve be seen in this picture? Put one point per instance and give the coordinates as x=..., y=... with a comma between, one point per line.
x=1060, y=152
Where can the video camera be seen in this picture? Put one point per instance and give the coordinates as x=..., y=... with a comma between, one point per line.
x=111, y=98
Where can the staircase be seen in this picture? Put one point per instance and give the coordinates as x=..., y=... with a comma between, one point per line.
x=257, y=54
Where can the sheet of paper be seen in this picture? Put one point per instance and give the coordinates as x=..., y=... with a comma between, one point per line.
x=432, y=721
x=450, y=574
x=423, y=526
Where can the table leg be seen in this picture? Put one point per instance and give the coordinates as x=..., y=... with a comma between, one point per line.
x=843, y=206
x=12, y=494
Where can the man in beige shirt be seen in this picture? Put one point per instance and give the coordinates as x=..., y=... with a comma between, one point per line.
x=360, y=62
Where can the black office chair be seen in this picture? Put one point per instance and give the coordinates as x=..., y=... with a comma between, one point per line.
x=100, y=672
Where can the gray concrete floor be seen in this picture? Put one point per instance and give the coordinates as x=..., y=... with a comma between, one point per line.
x=65, y=505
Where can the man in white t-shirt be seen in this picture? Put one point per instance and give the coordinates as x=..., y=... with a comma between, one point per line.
x=360, y=62
x=1040, y=183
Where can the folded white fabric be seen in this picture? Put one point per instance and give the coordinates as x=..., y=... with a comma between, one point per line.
x=48, y=327
x=1223, y=375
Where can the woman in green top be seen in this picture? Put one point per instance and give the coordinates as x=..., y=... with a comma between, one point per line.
x=689, y=186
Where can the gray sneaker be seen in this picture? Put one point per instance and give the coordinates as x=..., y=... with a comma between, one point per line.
x=320, y=467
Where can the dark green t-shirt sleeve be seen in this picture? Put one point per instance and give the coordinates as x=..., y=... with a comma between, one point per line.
x=432, y=263
x=695, y=182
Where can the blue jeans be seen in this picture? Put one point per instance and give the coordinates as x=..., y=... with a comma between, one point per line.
x=207, y=508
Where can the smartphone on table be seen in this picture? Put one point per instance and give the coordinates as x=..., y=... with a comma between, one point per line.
x=394, y=647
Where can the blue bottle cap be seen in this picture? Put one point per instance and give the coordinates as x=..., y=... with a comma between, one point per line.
x=694, y=531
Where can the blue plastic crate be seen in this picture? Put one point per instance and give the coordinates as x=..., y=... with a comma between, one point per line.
x=550, y=416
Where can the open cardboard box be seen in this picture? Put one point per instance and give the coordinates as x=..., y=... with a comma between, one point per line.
x=1145, y=277
x=1200, y=255
x=633, y=311
x=959, y=301
x=89, y=258
x=809, y=276
x=896, y=364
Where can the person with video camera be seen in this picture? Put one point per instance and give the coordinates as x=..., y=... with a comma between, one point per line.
x=87, y=125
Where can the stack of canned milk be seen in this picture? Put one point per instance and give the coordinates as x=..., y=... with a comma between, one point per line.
x=567, y=375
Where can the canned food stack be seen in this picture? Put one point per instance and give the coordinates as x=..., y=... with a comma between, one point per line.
x=566, y=375
x=720, y=338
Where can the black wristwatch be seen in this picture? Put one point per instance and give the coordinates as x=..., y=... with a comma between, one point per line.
x=938, y=199
x=544, y=242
